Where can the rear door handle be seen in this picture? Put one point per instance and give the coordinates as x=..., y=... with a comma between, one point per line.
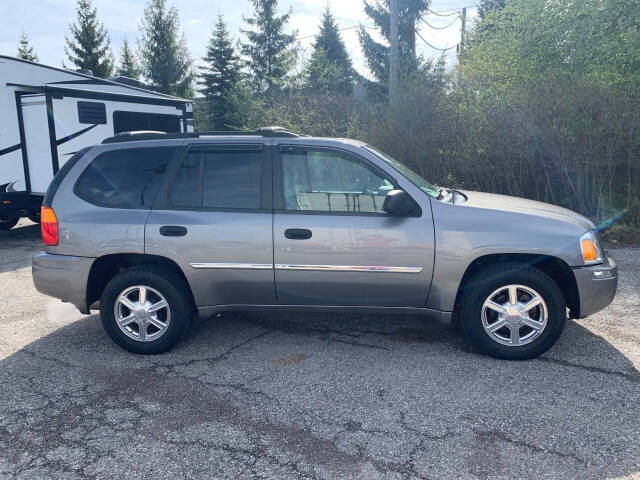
x=297, y=234
x=173, y=231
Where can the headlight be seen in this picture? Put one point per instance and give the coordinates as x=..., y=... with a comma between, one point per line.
x=591, y=249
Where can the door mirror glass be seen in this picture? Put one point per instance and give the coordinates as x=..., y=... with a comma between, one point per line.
x=398, y=203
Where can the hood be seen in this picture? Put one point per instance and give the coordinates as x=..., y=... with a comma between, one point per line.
x=504, y=203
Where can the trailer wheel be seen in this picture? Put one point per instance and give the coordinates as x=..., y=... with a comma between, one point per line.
x=10, y=223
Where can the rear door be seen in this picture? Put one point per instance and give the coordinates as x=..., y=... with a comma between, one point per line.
x=36, y=133
x=334, y=245
x=214, y=219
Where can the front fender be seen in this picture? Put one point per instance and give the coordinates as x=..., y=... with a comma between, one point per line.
x=465, y=233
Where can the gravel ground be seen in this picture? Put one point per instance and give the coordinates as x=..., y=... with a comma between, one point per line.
x=310, y=396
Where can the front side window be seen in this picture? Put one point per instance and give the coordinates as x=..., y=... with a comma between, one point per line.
x=124, y=178
x=331, y=182
x=223, y=179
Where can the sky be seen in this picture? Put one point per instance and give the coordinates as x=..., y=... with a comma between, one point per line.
x=46, y=22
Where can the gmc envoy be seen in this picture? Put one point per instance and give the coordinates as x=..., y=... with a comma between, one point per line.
x=152, y=228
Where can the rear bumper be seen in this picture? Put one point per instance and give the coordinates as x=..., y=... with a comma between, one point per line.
x=63, y=276
x=597, y=286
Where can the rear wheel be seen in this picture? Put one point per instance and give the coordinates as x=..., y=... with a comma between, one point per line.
x=146, y=309
x=512, y=311
x=34, y=217
x=8, y=223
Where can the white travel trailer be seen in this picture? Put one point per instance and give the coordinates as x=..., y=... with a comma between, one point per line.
x=47, y=114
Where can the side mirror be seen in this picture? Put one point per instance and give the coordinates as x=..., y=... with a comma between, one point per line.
x=398, y=203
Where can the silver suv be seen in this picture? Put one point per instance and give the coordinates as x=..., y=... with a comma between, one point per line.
x=152, y=228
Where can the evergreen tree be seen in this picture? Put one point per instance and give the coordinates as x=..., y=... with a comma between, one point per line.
x=89, y=46
x=25, y=50
x=330, y=68
x=128, y=64
x=220, y=75
x=486, y=6
x=270, y=51
x=377, y=54
x=166, y=61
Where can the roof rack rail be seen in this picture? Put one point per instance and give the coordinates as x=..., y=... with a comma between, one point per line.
x=265, y=132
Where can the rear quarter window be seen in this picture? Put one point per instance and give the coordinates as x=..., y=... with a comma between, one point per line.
x=124, y=178
x=57, y=179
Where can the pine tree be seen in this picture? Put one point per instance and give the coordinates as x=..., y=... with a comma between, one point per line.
x=377, y=54
x=166, y=61
x=25, y=50
x=270, y=51
x=330, y=68
x=89, y=46
x=220, y=75
x=128, y=64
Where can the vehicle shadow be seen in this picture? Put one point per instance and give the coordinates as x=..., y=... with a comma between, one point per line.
x=582, y=418
x=18, y=244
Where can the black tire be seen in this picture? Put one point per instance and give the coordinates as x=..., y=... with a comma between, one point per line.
x=34, y=217
x=481, y=285
x=173, y=289
x=9, y=223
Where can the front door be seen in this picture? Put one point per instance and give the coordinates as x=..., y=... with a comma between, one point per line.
x=334, y=245
x=214, y=219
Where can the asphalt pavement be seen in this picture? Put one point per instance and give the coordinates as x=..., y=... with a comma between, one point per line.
x=312, y=396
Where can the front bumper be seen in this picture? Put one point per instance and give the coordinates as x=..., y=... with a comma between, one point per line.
x=63, y=276
x=597, y=286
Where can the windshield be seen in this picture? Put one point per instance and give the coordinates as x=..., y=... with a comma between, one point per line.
x=416, y=179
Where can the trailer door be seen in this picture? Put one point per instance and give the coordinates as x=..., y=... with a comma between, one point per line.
x=36, y=133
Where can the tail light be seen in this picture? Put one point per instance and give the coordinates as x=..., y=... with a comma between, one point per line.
x=49, y=226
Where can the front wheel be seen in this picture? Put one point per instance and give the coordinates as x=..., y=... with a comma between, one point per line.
x=512, y=311
x=146, y=309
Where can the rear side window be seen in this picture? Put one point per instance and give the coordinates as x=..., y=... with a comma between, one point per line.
x=221, y=179
x=186, y=189
x=125, y=178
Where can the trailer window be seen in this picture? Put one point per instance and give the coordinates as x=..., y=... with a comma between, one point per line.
x=136, y=121
x=124, y=178
x=92, y=112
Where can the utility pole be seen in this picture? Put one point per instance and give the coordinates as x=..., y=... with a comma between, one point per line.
x=393, y=51
x=463, y=30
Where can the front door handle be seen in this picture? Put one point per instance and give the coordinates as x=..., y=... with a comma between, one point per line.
x=173, y=231
x=297, y=234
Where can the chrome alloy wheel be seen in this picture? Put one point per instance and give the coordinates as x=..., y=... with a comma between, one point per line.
x=142, y=313
x=514, y=315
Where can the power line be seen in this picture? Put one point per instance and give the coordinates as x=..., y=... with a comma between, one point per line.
x=340, y=30
x=439, y=14
x=435, y=48
x=457, y=9
x=437, y=28
x=460, y=12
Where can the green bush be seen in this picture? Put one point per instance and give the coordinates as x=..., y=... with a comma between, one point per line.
x=545, y=105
